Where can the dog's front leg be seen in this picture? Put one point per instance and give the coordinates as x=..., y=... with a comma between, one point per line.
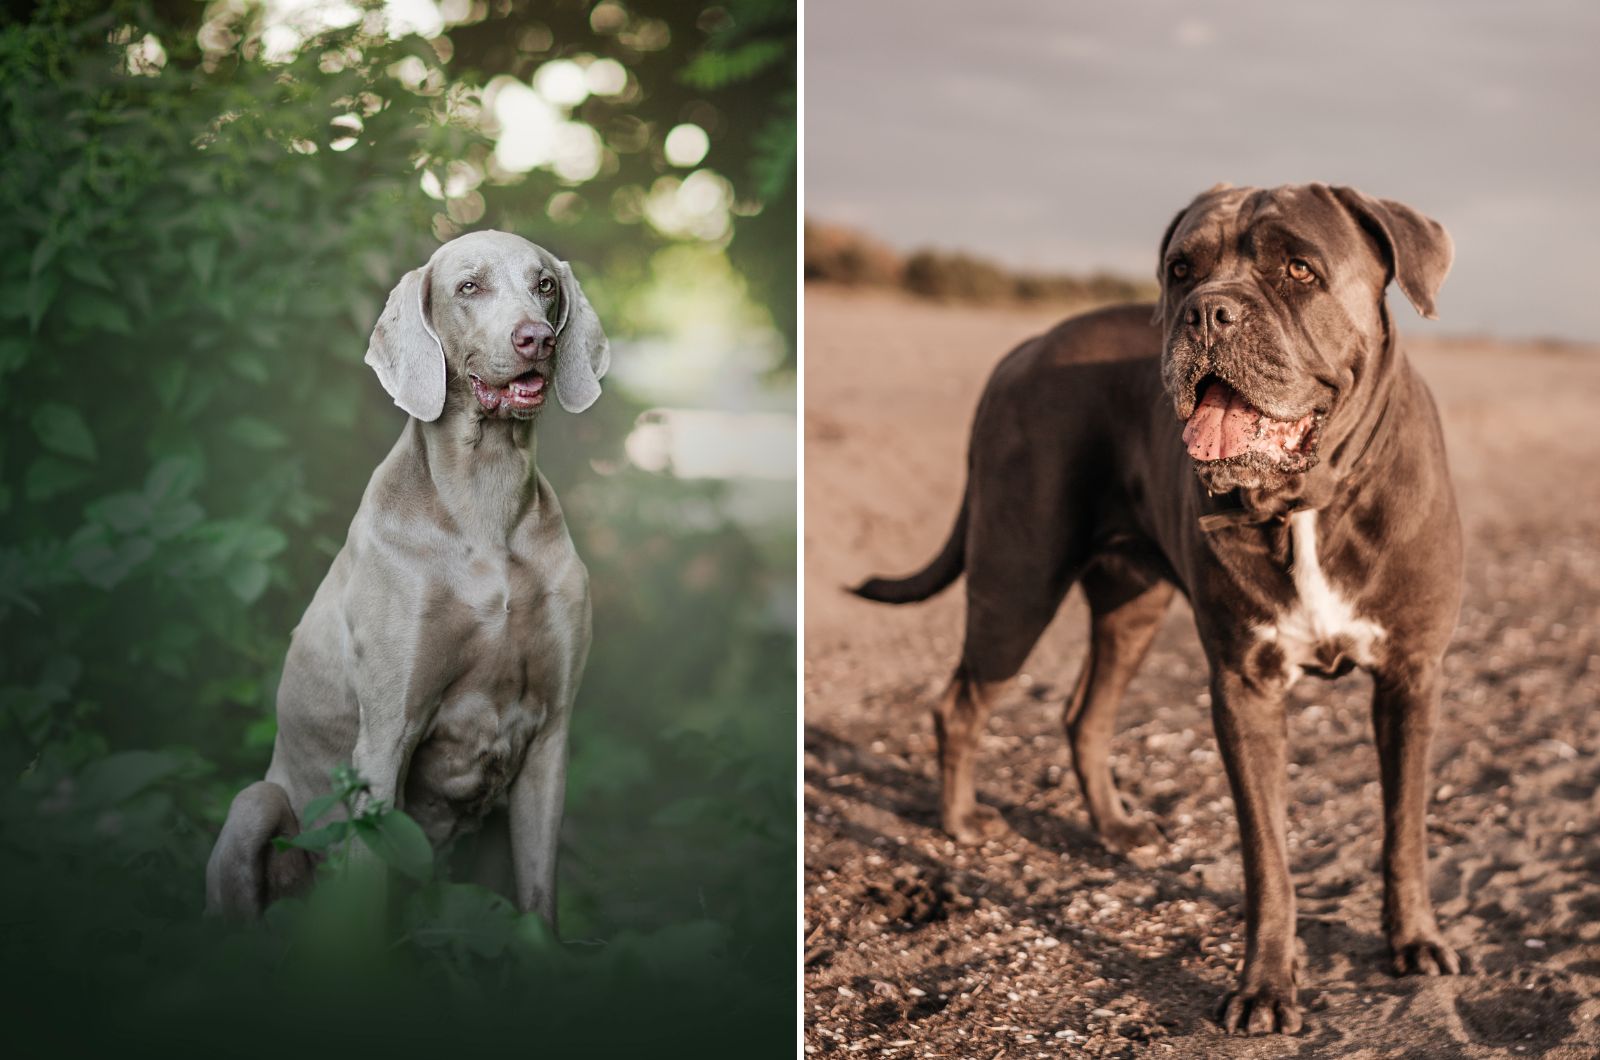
x=1252, y=733
x=384, y=742
x=1405, y=703
x=536, y=801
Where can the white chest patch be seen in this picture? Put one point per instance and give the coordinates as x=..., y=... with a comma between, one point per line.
x=1320, y=626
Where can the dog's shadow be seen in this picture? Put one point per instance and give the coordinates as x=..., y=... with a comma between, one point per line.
x=1186, y=1001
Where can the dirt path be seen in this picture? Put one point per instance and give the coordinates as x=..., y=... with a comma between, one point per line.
x=1040, y=944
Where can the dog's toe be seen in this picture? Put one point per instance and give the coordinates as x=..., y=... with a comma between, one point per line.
x=1427, y=957
x=1261, y=1010
x=1120, y=837
x=978, y=825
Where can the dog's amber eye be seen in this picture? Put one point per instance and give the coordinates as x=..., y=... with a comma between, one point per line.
x=1179, y=269
x=546, y=285
x=1300, y=272
x=468, y=287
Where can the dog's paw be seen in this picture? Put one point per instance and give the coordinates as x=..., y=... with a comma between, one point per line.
x=1428, y=956
x=1129, y=834
x=978, y=825
x=1262, y=1009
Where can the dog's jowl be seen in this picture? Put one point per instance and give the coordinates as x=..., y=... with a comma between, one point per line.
x=1258, y=442
x=442, y=652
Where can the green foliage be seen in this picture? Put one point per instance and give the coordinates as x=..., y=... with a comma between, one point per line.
x=188, y=274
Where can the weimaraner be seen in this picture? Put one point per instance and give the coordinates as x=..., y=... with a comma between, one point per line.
x=441, y=654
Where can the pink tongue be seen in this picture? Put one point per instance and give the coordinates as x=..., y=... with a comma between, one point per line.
x=1224, y=424
x=525, y=393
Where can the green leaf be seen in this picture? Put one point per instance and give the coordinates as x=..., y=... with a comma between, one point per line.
x=123, y=512
x=87, y=269
x=316, y=839
x=119, y=777
x=172, y=478
x=41, y=292
x=170, y=520
x=317, y=807
x=42, y=255
x=13, y=353
x=14, y=300
x=203, y=258
x=247, y=579
x=261, y=733
x=105, y=565
x=169, y=384
x=686, y=810
x=400, y=842
x=463, y=916
x=711, y=70
x=62, y=428
x=534, y=932
x=257, y=434
x=256, y=541
x=251, y=368
x=50, y=477
x=96, y=312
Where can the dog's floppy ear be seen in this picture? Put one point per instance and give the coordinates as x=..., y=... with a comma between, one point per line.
x=406, y=352
x=582, y=352
x=1418, y=248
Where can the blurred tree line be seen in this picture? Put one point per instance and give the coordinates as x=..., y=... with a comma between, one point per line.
x=200, y=224
x=834, y=254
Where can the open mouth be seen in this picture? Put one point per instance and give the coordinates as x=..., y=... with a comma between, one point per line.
x=1224, y=425
x=520, y=394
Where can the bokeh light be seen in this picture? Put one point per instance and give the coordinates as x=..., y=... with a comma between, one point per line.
x=606, y=77
x=562, y=82
x=686, y=145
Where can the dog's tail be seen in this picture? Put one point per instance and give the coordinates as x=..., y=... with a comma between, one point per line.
x=247, y=872
x=945, y=568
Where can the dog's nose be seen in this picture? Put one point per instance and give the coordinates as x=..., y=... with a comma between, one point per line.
x=533, y=339
x=1214, y=315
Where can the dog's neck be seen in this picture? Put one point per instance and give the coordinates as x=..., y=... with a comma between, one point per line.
x=483, y=470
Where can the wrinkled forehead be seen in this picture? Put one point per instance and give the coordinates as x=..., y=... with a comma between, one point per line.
x=1306, y=218
x=491, y=253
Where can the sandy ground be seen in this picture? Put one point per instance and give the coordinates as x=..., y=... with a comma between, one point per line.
x=1041, y=944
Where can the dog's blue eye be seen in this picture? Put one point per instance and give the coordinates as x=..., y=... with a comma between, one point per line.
x=546, y=285
x=468, y=287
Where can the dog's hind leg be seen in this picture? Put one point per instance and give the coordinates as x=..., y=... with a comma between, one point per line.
x=1002, y=628
x=958, y=718
x=1126, y=609
x=247, y=872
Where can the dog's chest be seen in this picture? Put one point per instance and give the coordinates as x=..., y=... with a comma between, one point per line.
x=1319, y=631
x=518, y=645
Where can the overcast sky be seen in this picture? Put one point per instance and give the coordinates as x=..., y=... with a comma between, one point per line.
x=1055, y=134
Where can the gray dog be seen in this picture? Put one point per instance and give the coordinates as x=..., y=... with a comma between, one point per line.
x=442, y=652
x=1264, y=447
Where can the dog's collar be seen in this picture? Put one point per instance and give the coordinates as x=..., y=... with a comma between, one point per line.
x=1242, y=516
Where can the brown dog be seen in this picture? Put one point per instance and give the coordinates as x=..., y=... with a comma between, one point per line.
x=1264, y=447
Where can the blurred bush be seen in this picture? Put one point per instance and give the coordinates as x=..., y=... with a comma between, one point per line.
x=838, y=255
x=199, y=229
x=842, y=256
